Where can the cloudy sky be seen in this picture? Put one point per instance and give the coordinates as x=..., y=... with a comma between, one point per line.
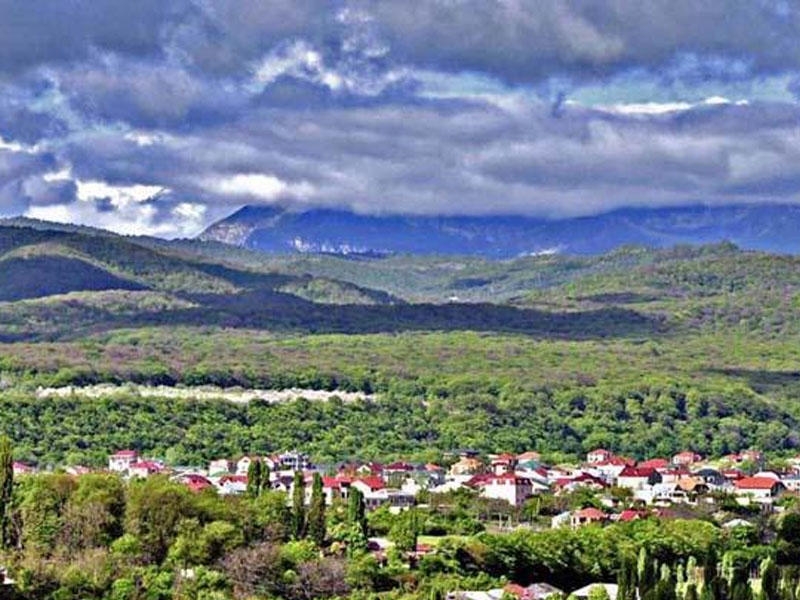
x=156, y=117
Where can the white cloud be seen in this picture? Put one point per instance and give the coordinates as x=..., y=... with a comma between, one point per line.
x=118, y=195
x=260, y=186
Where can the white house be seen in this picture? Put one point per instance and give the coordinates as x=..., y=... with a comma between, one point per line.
x=144, y=468
x=509, y=487
x=598, y=456
x=220, y=465
x=120, y=462
x=758, y=489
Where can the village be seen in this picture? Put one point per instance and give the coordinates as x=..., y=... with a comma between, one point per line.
x=683, y=479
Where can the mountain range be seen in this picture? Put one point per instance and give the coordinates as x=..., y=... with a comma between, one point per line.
x=276, y=230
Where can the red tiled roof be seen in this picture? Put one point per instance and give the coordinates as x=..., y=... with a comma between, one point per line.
x=654, y=463
x=398, y=466
x=590, y=513
x=374, y=483
x=198, y=486
x=617, y=461
x=629, y=515
x=756, y=483
x=646, y=472
x=126, y=454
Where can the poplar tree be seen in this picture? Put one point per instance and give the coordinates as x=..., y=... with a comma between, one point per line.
x=316, y=512
x=298, y=506
x=356, y=522
x=254, y=478
x=6, y=489
x=626, y=579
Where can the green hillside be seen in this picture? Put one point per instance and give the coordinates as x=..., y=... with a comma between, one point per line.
x=692, y=347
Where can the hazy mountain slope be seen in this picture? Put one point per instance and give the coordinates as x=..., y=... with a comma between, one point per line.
x=765, y=227
x=45, y=275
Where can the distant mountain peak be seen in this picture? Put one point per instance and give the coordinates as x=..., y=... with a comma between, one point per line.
x=280, y=231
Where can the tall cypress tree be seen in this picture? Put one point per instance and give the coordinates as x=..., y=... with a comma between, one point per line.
x=316, y=512
x=298, y=506
x=254, y=478
x=626, y=580
x=6, y=489
x=356, y=522
x=770, y=580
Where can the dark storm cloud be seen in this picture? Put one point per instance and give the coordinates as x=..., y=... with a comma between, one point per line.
x=528, y=40
x=423, y=106
x=55, y=31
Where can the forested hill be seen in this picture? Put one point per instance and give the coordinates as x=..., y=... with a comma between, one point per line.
x=695, y=347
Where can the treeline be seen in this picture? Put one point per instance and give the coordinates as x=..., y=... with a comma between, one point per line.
x=641, y=422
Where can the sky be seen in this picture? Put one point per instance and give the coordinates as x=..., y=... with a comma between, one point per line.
x=158, y=118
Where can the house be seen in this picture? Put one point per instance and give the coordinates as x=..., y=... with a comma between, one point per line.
x=509, y=487
x=582, y=480
x=611, y=468
x=673, y=474
x=637, y=478
x=195, y=482
x=587, y=516
x=710, y=477
x=658, y=464
x=758, y=489
x=792, y=482
x=693, y=486
x=293, y=461
x=535, y=591
x=662, y=494
x=598, y=456
x=503, y=463
x=144, y=468
x=221, y=466
x=121, y=461
x=628, y=515
x=243, y=464
x=529, y=460
x=612, y=590
x=396, y=468
x=466, y=465
x=686, y=458
x=232, y=484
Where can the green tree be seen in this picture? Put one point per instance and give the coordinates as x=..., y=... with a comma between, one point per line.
x=316, y=512
x=626, y=579
x=405, y=530
x=155, y=508
x=770, y=580
x=6, y=489
x=356, y=523
x=298, y=506
x=254, y=479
